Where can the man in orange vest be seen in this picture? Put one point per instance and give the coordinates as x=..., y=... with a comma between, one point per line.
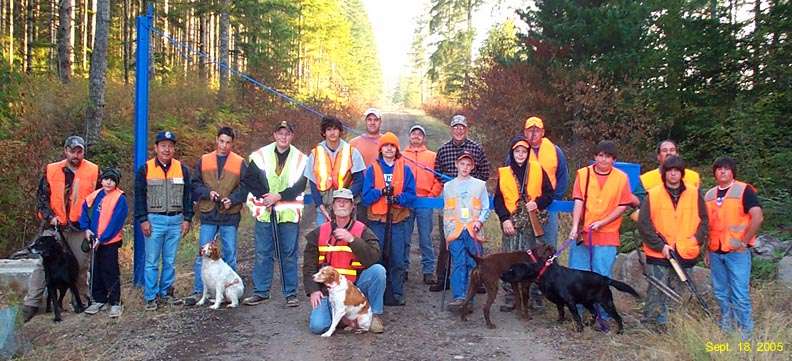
x=523, y=186
x=103, y=216
x=351, y=248
x=553, y=162
x=652, y=178
x=676, y=211
x=164, y=208
x=333, y=164
x=368, y=145
x=59, y=199
x=216, y=175
x=426, y=185
x=389, y=185
x=735, y=216
x=602, y=192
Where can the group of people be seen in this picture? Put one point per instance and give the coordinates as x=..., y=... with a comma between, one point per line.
x=364, y=191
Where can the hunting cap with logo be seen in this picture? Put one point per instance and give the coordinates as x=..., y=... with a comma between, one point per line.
x=74, y=141
x=165, y=135
x=284, y=124
x=419, y=127
x=374, y=111
x=534, y=122
x=459, y=120
x=344, y=193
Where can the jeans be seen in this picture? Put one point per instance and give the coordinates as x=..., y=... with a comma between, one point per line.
x=461, y=263
x=551, y=229
x=395, y=253
x=228, y=237
x=731, y=274
x=264, y=263
x=371, y=282
x=601, y=263
x=163, y=243
x=423, y=216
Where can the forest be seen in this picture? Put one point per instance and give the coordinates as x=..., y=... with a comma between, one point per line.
x=713, y=75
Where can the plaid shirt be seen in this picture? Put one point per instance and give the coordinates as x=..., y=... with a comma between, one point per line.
x=445, y=163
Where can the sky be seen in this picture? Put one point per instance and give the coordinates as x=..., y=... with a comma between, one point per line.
x=393, y=23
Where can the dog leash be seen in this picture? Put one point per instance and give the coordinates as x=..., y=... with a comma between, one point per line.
x=554, y=256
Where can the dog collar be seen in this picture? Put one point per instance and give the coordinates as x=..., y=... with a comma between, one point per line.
x=530, y=253
x=544, y=268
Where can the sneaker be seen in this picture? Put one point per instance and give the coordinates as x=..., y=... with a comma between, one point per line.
x=508, y=304
x=94, y=308
x=151, y=305
x=28, y=312
x=116, y=310
x=291, y=301
x=256, y=299
x=192, y=300
x=429, y=279
x=171, y=300
x=376, y=325
x=455, y=306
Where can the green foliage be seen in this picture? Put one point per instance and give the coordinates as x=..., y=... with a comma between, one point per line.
x=764, y=270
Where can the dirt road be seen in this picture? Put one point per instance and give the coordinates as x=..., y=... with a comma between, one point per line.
x=271, y=331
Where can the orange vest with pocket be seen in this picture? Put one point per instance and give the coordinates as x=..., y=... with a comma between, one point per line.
x=678, y=225
x=106, y=212
x=84, y=183
x=728, y=222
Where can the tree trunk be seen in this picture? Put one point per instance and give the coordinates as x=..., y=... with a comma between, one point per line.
x=224, y=46
x=64, y=41
x=11, y=34
x=96, y=81
x=125, y=42
x=30, y=35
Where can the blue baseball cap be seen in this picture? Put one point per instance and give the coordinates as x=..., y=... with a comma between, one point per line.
x=165, y=135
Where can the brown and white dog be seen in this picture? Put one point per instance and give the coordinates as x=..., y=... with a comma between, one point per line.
x=346, y=300
x=218, y=277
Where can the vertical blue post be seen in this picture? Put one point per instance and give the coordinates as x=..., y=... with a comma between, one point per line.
x=141, y=127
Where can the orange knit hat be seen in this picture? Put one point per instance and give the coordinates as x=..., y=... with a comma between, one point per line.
x=389, y=138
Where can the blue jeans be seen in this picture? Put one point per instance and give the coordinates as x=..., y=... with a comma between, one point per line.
x=371, y=282
x=395, y=253
x=731, y=274
x=601, y=263
x=423, y=216
x=163, y=242
x=461, y=263
x=551, y=229
x=264, y=263
x=228, y=238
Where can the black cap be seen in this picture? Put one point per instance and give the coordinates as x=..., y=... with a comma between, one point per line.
x=284, y=124
x=112, y=173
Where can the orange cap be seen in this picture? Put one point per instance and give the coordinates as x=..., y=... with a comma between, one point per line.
x=534, y=122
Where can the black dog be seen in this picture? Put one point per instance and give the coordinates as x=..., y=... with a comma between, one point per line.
x=568, y=287
x=60, y=272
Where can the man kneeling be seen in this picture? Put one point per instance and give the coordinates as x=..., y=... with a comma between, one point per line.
x=352, y=249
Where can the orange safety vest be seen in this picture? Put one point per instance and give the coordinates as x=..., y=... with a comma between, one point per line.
x=225, y=184
x=548, y=159
x=164, y=192
x=727, y=221
x=337, y=253
x=449, y=217
x=380, y=207
x=106, y=210
x=653, y=178
x=332, y=173
x=602, y=200
x=678, y=224
x=425, y=181
x=83, y=184
x=508, y=185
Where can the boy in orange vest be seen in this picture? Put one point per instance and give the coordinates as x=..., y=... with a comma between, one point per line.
x=103, y=216
x=465, y=211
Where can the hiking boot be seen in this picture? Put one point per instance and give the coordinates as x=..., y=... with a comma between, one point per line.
x=116, y=310
x=171, y=300
x=438, y=287
x=151, y=305
x=94, y=308
x=394, y=301
x=429, y=279
x=256, y=299
x=376, y=325
x=28, y=312
x=455, y=306
x=192, y=300
x=291, y=301
x=508, y=304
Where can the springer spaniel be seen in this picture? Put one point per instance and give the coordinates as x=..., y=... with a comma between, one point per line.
x=346, y=300
x=218, y=276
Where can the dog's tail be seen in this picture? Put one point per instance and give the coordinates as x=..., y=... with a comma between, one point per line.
x=473, y=256
x=621, y=286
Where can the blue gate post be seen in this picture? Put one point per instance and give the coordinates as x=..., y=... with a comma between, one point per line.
x=141, y=127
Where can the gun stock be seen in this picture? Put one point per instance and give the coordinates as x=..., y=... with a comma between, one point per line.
x=533, y=216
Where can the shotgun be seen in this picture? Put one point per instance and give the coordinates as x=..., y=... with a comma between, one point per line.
x=534, y=219
x=683, y=276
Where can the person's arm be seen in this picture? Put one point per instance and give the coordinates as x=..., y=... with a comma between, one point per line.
x=757, y=217
x=357, y=183
x=500, y=205
x=703, y=229
x=310, y=263
x=562, y=177
x=117, y=220
x=291, y=193
x=85, y=220
x=481, y=170
x=408, y=194
x=544, y=200
x=485, y=204
x=370, y=194
x=254, y=181
x=647, y=229
x=141, y=206
x=197, y=183
x=43, y=199
x=366, y=248
x=187, y=204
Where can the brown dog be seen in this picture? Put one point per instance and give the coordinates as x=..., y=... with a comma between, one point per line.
x=488, y=271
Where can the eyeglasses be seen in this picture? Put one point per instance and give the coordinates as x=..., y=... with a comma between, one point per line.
x=458, y=127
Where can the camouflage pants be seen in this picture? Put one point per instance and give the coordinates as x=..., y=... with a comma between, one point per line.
x=656, y=306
